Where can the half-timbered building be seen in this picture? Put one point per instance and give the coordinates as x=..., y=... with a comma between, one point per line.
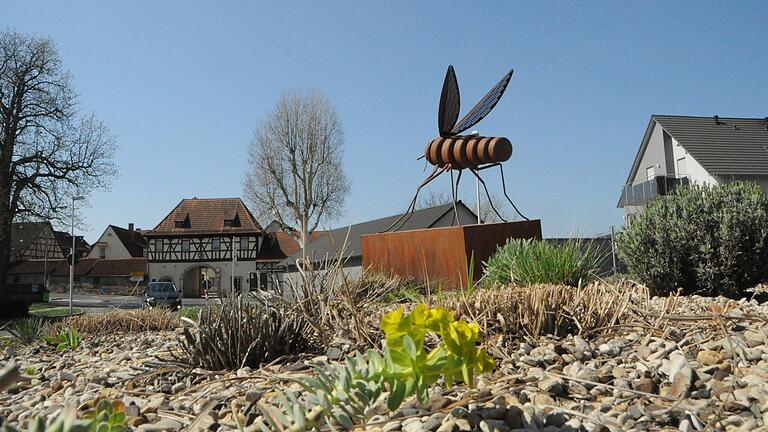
x=34, y=252
x=205, y=242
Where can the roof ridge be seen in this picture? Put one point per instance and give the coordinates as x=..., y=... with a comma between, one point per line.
x=449, y=205
x=708, y=117
x=212, y=199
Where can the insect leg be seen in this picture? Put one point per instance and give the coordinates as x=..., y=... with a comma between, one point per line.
x=412, y=206
x=487, y=194
x=488, y=166
x=455, y=198
x=504, y=188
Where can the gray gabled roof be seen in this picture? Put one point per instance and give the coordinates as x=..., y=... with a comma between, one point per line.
x=328, y=245
x=726, y=146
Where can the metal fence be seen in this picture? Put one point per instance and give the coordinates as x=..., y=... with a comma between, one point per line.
x=639, y=193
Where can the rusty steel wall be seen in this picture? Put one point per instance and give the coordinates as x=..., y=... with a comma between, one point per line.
x=484, y=239
x=441, y=253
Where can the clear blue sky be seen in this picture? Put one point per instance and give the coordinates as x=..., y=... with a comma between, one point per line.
x=183, y=83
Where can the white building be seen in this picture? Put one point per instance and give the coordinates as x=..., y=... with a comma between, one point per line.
x=119, y=243
x=680, y=150
x=195, y=243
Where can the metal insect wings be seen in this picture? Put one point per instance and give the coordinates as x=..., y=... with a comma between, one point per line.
x=453, y=152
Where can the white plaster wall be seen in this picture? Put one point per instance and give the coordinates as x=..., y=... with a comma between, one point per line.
x=176, y=272
x=696, y=172
x=653, y=156
x=351, y=273
x=115, y=248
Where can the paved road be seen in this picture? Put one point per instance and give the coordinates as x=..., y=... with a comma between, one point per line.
x=96, y=302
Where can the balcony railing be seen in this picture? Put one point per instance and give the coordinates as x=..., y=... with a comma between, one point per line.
x=640, y=193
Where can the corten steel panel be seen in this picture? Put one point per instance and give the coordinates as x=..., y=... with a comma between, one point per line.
x=441, y=253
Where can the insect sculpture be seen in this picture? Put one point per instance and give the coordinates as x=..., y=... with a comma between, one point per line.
x=454, y=152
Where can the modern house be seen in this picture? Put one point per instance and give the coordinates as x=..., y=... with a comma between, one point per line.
x=201, y=241
x=345, y=242
x=681, y=150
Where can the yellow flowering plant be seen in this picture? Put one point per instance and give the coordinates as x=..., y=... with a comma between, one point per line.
x=343, y=393
x=413, y=370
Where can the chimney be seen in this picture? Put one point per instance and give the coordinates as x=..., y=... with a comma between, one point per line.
x=717, y=120
x=130, y=230
x=766, y=123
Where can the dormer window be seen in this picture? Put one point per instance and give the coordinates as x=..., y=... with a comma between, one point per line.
x=182, y=223
x=234, y=222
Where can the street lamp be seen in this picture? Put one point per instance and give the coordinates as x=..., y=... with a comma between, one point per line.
x=72, y=253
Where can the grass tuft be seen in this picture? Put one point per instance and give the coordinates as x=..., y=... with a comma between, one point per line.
x=244, y=333
x=538, y=310
x=530, y=262
x=28, y=330
x=119, y=321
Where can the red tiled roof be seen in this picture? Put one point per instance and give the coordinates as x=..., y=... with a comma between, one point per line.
x=207, y=216
x=85, y=267
x=118, y=267
x=33, y=267
x=81, y=268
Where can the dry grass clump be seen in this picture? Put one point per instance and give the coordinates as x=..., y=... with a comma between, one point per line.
x=119, y=321
x=338, y=305
x=245, y=333
x=558, y=310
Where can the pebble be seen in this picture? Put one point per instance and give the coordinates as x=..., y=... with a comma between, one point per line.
x=522, y=394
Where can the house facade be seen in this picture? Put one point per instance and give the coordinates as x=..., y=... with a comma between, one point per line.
x=34, y=252
x=681, y=150
x=205, y=242
x=119, y=243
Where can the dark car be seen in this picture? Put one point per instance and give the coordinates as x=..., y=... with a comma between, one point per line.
x=162, y=294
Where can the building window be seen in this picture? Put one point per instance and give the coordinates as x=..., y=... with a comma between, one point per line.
x=102, y=252
x=159, y=245
x=216, y=244
x=682, y=167
x=228, y=223
x=185, y=245
x=649, y=172
x=244, y=244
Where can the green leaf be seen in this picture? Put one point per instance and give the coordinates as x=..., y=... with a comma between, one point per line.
x=399, y=358
x=396, y=396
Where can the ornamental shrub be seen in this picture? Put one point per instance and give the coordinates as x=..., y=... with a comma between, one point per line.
x=707, y=240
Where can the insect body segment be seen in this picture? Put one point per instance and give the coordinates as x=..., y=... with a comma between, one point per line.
x=467, y=151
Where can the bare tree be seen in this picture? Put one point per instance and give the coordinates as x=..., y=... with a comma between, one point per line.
x=487, y=214
x=48, y=151
x=295, y=171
